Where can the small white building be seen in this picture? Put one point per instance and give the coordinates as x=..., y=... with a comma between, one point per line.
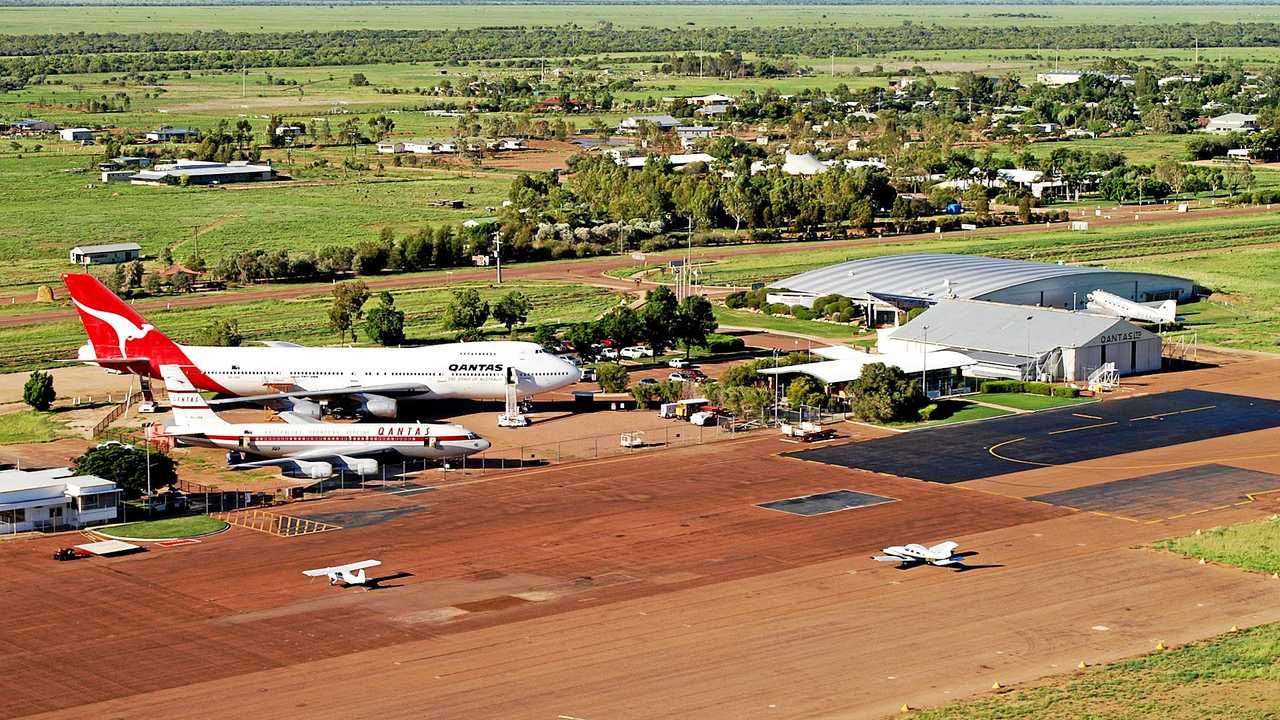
x=1058, y=78
x=171, y=134
x=633, y=123
x=109, y=254
x=54, y=499
x=77, y=134
x=676, y=160
x=390, y=148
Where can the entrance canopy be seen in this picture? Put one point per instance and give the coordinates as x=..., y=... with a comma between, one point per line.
x=848, y=364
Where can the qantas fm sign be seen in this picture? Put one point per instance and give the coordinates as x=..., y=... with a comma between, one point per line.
x=1122, y=337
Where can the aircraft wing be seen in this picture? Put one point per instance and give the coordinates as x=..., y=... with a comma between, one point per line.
x=386, y=389
x=892, y=558
x=325, y=454
x=294, y=418
x=351, y=567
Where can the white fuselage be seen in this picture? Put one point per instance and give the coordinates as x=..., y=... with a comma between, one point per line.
x=476, y=371
x=435, y=441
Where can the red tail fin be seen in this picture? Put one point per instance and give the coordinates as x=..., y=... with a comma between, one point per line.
x=115, y=330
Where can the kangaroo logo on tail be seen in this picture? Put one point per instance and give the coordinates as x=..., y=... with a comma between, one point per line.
x=125, y=329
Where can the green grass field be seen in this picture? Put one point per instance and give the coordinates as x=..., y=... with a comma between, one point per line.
x=182, y=527
x=1252, y=546
x=1025, y=401
x=305, y=320
x=29, y=426
x=949, y=412
x=101, y=18
x=783, y=323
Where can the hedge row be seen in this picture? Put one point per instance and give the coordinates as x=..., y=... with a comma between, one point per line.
x=1034, y=388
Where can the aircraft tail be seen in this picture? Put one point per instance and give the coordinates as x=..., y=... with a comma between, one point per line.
x=116, y=331
x=189, y=407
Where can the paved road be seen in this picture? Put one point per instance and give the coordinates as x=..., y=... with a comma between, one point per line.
x=591, y=271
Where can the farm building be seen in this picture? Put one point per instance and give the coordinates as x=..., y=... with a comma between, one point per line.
x=892, y=284
x=105, y=254
x=56, y=499
x=1017, y=341
x=676, y=160
x=1232, y=123
x=171, y=134
x=77, y=134
x=30, y=125
x=198, y=172
x=390, y=148
x=844, y=364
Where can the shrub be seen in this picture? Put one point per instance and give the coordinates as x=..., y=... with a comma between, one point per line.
x=736, y=300
x=612, y=377
x=801, y=312
x=927, y=411
x=1065, y=391
x=38, y=391
x=1037, y=388
x=1001, y=386
x=718, y=343
x=779, y=309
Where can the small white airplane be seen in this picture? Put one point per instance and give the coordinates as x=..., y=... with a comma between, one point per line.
x=304, y=445
x=942, y=554
x=349, y=574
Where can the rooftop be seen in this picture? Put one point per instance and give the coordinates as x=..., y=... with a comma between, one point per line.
x=109, y=247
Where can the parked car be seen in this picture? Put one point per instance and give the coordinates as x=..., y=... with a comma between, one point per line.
x=648, y=381
x=679, y=376
x=589, y=374
x=678, y=363
x=703, y=418
x=695, y=374
x=146, y=406
x=635, y=352
x=609, y=353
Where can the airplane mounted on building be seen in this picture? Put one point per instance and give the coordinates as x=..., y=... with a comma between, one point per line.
x=297, y=378
x=304, y=445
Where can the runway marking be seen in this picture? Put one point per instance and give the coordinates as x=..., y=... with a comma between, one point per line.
x=1087, y=417
x=1174, y=412
x=1083, y=427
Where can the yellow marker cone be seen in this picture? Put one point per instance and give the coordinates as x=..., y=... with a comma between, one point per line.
x=1197, y=531
x=1160, y=646
x=1202, y=561
x=1275, y=576
x=905, y=708
x=1081, y=666
x=1235, y=629
x=995, y=685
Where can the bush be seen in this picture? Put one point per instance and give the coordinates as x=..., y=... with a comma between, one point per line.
x=612, y=377
x=927, y=411
x=1037, y=388
x=736, y=300
x=718, y=343
x=779, y=309
x=38, y=392
x=1001, y=386
x=1065, y=391
x=801, y=312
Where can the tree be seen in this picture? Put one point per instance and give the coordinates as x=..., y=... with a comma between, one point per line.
x=181, y=282
x=222, y=333
x=384, y=324
x=804, y=391
x=612, y=377
x=512, y=309
x=622, y=325
x=119, y=280
x=126, y=466
x=659, y=318
x=695, y=318
x=884, y=393
x=467, y=314
x=348, y=306
x=545, y=335
x=39, y=392
x=381, y=126
x=359, y=80
x=135, y=274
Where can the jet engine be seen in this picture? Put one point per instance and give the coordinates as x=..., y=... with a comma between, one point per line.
x=314, y=469
x=359, y=466
x=306, y=408
x=378, y=406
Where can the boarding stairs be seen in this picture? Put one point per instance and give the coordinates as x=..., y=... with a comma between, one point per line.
x=1105, y=377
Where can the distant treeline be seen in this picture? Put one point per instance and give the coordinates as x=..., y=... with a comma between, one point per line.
x=340, y=3
x=27, y=56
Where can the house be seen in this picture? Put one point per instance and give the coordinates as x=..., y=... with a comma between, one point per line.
x=632, y=124
x=289, y=131
x=508, y=144
x=1044, y=128
x=390, y=148
x=110, y=176
x=112, y=253
x=171, y=134
x=555, y=104
x=853, y=144
x=677, y=160
x=689, y=134
x=713, y=99
x=125, y=163
x=29, y=125
x=1058, y=78
x=77, y=134
x=1080, y=133
x=196, y=172
x=1241, y=154
x=1232, y=123
x=711, y=110
x=55, y=499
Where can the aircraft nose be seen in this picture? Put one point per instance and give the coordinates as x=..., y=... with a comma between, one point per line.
x=481, y=445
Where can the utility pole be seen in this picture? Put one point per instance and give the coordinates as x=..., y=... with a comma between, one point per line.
x=924, y=363
x=497, y=254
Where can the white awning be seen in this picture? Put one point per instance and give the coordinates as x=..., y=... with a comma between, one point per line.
x=39, y=502
x=849, y=366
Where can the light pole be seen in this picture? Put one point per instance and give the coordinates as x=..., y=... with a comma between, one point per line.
x=924, y=363
x=497, y=254
x=146, y=445
x=1029, y=318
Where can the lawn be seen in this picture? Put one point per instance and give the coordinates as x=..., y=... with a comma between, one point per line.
x=29, y=426
x=305, y=320
x=949, y=412
x=783, y=323
x=1252, y=546
x=191, y=526
x=1026, y=401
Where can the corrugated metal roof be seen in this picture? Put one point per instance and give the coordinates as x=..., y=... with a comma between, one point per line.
x=968, y=325
x=110, y=247
x=849, y=366
x=925, y=275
